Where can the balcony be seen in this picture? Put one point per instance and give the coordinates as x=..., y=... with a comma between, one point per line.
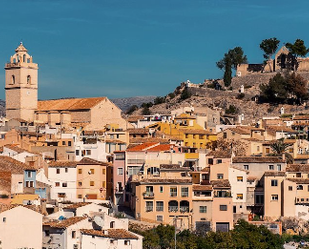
x=222, y=194
x=300, y=200
x=148, y=195
x=173, y=209
x=136, y=161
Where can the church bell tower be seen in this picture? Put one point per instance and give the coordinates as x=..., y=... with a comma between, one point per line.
x=21, y=85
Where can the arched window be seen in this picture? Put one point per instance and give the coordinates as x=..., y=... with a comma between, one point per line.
x=28, y=79
x=13, y=79
x=300, y=187
x=24, y=58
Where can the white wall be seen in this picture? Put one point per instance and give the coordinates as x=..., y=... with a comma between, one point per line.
x=70, y=178
x=22, y=228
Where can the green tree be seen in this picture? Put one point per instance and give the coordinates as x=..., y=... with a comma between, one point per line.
x=297, y=85
x=231, y=60
x=269, y=47
x=279, y=147
x=298, y=48
x=132, y=109
x=185, y=94
x=275, y=91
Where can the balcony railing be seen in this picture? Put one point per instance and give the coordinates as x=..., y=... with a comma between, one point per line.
x=185, y=194
x=300, y=200
x=172, y=194
x=173, y=209
x=148, y=195
x=136, y=161
x=159, y=208
x=184, y=209
x=223, y=194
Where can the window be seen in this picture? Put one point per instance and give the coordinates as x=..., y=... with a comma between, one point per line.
x=103, y=184
x=267, y=150
x=4, y=219
x=64, y=184
x=29, y=174
x=112, y=224
x=246, y=167
x=69, y=143
x=159, y=206
x=240, y=197
x=66, y=170
x=210, y=161
x=279, y=167
x=240, y=179
x=149, y=206
x=271, y=167
x=91, y=183
x=28, y=79
x=291, y=188
x=223, y=207
x=79, y=196
x=73, y=234
x=57, y=184
x=274, y=197
x=159, y=218
x=92, y=171
x=258, y=148
x=184, y=192
x=203, y=209
x=300, y=187
x=88, y=152
x=57, y=171
x=61, y=195
x=13, y=79
x=103, y=171
x=173, y=191
x=274, y=183
x=259, y=199
x=219, y=176
x=219, y=161
x=120, y=171
x=77, y=152
x=63, y=142
x=161, y=189
x=291, y=150
x=298, y=174
x=224, y=135
x=80, y=171
x=127, y=242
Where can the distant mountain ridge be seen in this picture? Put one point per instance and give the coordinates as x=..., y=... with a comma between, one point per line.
x=125, y=103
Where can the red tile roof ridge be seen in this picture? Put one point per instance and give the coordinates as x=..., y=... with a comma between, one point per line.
x=64, y=223
x=111, y=233
x=143, y=146
x=90, y=161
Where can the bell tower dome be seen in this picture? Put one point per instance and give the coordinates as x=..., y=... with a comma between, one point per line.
x=21, y=85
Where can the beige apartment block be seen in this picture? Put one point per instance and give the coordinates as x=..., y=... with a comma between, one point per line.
x=94, y=180
x=273, y=194
x=164, y=198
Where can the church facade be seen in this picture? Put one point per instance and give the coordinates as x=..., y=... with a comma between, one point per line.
x=21, y=93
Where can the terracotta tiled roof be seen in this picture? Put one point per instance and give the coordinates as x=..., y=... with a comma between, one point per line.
x=252, y=159
x=220, y=154
x=274, y=173
x=164, y=180
x=69, y=104
x=63, y=164
x=160, y=147
x=90, y=161
x=77, y=205
x=302, y=117
x=251, y=178
x=299, y=180
x=16, y=167
x=172, y=167
x=111, y=233
x=16, y=148
x=34, y=208
x=238, y=130
x=224, y=183
x=135, y=118
x=138, y=131
x=142, y=147
x=5, y=181
x=281, y=128
x=201, y=187
x=140, y=140
x=64, y=223
x=297, y=168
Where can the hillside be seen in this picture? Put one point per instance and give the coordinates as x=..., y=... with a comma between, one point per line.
x=203, y=96
x=125, y=103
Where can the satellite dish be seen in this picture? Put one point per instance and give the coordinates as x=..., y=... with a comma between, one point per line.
x=97, y=223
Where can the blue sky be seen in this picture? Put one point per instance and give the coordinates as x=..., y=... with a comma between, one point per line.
x=124, y=48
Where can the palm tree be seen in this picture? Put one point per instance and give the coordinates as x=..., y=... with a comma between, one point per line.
x=279, y=148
